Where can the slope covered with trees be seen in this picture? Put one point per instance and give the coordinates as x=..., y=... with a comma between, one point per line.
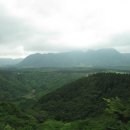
x=97, y=102
x=33, y=83
x=84, y=97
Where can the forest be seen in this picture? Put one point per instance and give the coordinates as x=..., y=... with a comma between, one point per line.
x=64, y=99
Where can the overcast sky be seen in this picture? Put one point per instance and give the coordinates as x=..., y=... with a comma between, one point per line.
x=29, y=26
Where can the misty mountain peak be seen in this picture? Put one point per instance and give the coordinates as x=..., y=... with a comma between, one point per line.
x=101, y=57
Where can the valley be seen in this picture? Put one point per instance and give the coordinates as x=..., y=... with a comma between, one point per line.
x=63, y=98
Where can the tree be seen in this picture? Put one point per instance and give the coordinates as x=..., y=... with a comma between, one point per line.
x=8, y=127
x=120, y=112
x=119, y=109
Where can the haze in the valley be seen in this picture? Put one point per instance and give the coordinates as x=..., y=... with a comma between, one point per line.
x=44, y=26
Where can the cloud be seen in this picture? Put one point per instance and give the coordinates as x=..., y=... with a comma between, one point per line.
x=60, y=25
x=11, y=28
x=122, y=39
x=12, y=52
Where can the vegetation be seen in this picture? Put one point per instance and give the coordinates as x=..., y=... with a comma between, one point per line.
x=84, y=97
x=32, y=83
x=96, y=102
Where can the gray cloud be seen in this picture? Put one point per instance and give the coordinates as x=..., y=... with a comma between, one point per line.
x=12, y=29
x=122, y=39
x=36, y=26
x=15, y=32
x=120, y=42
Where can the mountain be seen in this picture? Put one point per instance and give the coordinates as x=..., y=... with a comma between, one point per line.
x=84, y=98
x=9, y=62
x=91, y=58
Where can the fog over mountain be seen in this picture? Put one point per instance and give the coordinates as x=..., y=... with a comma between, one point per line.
x=28, y=27
x=92, y=58
x=7, y=62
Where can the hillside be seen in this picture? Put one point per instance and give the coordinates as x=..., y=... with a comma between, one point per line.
x=84, y=97
x=97, y=102
x=91, y=58
x=10, y=86
x=33, y=83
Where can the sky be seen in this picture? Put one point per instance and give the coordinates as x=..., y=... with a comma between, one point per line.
x=31, y=26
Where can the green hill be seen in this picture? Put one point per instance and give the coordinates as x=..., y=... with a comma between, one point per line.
x=84, y=97
x=96, y=102
x=33, y=83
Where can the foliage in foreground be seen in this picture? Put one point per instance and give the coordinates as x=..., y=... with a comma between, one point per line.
x=116, y=117
x=99, y=88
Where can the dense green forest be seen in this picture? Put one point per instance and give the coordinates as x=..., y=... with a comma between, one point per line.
x=84, y=97
x=64, y=99
x=32, y=83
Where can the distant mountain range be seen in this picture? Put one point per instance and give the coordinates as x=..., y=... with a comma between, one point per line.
x=107, y=58
x=5, y=62
x=90, y=58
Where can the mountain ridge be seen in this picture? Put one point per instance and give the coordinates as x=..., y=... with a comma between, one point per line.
x=91, y=58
